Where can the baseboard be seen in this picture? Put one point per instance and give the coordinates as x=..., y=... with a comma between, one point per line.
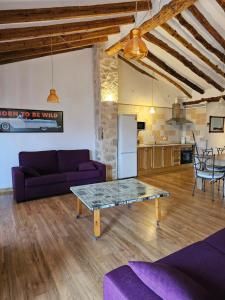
x=6, y=191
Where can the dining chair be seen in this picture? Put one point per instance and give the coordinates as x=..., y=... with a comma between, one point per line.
x=217, y=168
x=205, y=169
x=207, y=151
x=220, y=150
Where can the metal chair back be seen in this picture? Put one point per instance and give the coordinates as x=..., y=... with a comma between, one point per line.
x=207, y=151
x=201, y=162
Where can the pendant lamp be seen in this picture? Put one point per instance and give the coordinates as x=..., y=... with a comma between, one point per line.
x=135, y=48
x=52, y=97
x=152, y=110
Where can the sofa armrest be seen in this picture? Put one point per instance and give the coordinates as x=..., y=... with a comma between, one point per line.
x=101, y=167
x=18, y=181
x=123, y=284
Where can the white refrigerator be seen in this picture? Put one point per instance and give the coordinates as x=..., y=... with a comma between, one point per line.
x=127, y=146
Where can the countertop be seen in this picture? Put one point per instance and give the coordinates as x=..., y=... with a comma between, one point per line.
x=164, y=145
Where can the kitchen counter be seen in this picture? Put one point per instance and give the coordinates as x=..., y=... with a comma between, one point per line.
x=164, y=145
x=162, y=157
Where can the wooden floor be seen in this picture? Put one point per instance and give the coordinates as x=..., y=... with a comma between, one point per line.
x=46, y=253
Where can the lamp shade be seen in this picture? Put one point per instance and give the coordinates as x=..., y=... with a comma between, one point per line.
x=135, y=48
x=53, y=97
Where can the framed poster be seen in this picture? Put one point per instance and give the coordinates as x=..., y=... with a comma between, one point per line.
x=216, y=124
x=27, y=120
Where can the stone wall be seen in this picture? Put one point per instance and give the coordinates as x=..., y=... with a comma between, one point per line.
x=106, y=110
x=157, y=130
x=198, y=116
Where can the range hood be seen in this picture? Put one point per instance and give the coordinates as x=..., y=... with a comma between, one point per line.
x=178, y=117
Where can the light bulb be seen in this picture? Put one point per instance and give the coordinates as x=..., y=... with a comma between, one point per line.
x=109, y=97
x=152, y=110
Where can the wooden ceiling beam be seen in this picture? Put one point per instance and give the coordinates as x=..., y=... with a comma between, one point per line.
x=221, y=3
x=136, y=67
x=177, y=85
x=168, y=11
x=205, y=23
x=47, y=49
x=46, y=41
x=174, y=73
x=191, y=48
x=187, y=63
x=71, y=12
x=199, y=37
x=9, y=61
x=202, y=100
x=59, y=29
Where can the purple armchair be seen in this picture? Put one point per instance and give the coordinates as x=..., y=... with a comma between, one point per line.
x=195, y=272
x=48, y=173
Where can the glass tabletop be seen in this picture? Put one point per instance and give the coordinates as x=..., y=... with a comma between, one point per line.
x=118, y=192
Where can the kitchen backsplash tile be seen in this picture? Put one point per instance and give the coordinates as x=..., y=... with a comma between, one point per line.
x=157, y=129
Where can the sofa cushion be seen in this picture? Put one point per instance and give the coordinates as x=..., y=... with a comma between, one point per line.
x=217, y=240
x=168, y=282
x=45, y=180
x=86, y=166
x=80, y=175
x=45, y=162
x=29, y=172
x=69, y=159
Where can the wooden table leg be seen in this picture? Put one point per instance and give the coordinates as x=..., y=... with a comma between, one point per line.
x=79, y=208
x=97, y=225
x=158, y=210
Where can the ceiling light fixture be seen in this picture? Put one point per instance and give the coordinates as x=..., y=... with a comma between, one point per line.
x=135, y=48
x=52, y=97
x=152, y=110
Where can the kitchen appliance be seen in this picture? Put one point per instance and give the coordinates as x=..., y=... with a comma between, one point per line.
x=186, y=155
x=178, y=115
x=141, y=125
x=127, y=146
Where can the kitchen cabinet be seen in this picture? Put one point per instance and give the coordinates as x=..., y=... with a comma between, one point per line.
x=144, y=159
x=141, y=159
x=157, y=157
x=176, y=155
x=167, y=153
x=149, y=158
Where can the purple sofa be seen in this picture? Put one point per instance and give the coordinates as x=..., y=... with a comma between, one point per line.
x=48, y=173
x=201, y=264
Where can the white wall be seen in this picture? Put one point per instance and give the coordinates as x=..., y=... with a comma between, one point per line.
x=136, y=88
x=26, y=85
x=215, y=139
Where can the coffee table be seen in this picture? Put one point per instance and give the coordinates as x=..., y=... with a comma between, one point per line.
x=113, y=193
